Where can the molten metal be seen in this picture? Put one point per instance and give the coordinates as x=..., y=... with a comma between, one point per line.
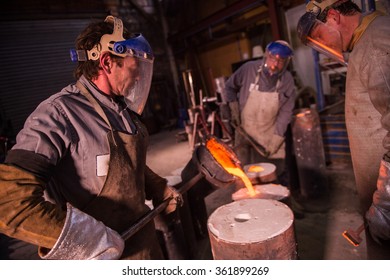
x=255, y=168
x=229, y=162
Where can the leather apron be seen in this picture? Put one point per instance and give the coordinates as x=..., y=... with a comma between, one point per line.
x=258, y=119
x=121, y=201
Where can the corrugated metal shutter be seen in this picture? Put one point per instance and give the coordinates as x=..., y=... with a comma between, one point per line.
x=35, y=63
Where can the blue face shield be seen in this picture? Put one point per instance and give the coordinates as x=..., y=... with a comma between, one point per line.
x=277, y=57
x=136, y=48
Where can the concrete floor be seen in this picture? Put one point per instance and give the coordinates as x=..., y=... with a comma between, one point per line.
x=318, y=233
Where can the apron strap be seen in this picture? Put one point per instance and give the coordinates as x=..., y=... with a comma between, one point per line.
x=258, y=77
x=96, y=106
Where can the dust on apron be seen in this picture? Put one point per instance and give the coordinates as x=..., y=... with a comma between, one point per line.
x=258, y=118
x=121, y=200
x=365, y=135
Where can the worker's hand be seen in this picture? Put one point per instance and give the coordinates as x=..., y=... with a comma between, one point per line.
x=235, y=113
x=176, y=199
x=85, y=238
x=378, y=220
x=378, y=216
x=275, y=144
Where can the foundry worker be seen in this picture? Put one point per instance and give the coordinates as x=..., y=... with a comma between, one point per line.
x=77, y=176
x=261, y=97
x=339, y=30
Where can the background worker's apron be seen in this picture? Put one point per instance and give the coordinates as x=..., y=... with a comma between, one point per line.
x=258, y=119
x=122, y=199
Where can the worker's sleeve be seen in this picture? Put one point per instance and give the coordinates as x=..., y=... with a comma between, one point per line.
x=376, y=77
x=24, y=214
x=233, y=85
x=287, y=94
x=378, y=215
x=28, y=167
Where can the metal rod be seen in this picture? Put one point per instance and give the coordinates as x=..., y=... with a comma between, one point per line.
x=141, y=222
x=259, y=148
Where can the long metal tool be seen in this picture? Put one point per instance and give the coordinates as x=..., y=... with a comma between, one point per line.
x=258, y=147
x=141, y=222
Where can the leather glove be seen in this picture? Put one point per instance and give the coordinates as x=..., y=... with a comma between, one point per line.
x=275, y=143
x=176, y=199
x=378, y=215
x=85, y=238
x=235, y=113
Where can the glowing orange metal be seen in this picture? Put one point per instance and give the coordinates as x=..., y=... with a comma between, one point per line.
x=255, y=168
x=227, y=160
x=325, y=47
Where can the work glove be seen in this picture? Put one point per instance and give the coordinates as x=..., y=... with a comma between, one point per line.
x=157, y=189
x=235, y=113
x=85, y=238
x=176, y=199
x=378, y=215
x=275, y=144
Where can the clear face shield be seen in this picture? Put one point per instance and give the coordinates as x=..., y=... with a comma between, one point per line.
x=137, y=82
x=321, y=36
x=134, y=84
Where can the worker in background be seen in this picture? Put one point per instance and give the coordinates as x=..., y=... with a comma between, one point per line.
x=261, y=96
x=339, y=29
x=76, y=177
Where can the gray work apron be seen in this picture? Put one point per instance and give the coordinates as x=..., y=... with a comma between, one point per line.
x=121, y=201
x=258, y=119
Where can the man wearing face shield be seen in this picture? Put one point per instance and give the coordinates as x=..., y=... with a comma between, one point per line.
x=77, y=176
x=338, y=29
x=261, y=96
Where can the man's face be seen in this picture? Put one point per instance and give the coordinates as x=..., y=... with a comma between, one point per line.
x=275, y=63
x=328, y=35
x=125, y=75
x=131, y=78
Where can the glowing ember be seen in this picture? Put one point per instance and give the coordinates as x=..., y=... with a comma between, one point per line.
x=229, y=163
x=255, y=168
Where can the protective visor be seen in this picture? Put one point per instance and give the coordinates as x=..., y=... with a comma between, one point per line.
x=137, y=84
x=138, y=61
x=321, y=37
x=140, y=67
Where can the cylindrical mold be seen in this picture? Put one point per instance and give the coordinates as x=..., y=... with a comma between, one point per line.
x=263, y=191
x=260, y=172
x=252, y=229
x=309, y=153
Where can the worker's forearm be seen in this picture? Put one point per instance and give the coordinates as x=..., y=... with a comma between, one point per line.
x=23, y=212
